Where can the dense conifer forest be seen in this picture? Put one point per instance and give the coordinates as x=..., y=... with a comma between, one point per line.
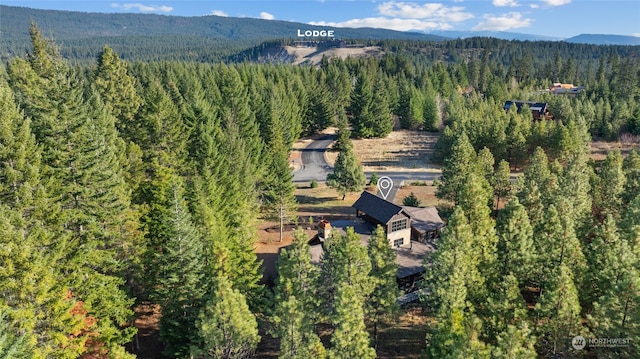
x=142, y=182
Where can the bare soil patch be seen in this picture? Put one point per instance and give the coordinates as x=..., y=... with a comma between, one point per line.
x=313, y=56
x=402, y=150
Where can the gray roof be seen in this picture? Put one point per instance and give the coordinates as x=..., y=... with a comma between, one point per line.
x=376, y=207
x=424, y=219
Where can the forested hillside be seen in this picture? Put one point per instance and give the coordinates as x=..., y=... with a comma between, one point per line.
x=156, y=37
x=127, y=183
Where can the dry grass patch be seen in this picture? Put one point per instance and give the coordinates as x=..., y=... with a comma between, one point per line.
x=600, y=149
x=406, y=337
x=400, y=151
x=426, y=194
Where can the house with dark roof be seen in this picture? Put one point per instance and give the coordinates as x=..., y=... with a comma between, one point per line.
x=394, y=219
x=539, y=110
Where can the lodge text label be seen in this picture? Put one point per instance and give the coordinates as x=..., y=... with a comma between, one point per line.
x=315, y=33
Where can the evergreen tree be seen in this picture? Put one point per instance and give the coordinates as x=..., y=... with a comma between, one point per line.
x=515, y=343
x=504, y=307
x=12, y=345
x=180, y=285
x=362, y=107
x=383, y=301
x=350, y=339
x=458, y=165
x=558, y=311
x=608, y=187
x=617, y=315
x=345, y=286
x=295, y=302
x=382, y=117
x=279, y=199
x=226, y=327
x=631, y=167
x=411, y=200
x=516, y=251
x=502, y=186
x=117, y=89
x=347, y=173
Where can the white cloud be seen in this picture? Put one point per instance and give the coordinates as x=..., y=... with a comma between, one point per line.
x=266, y=16
x=512, y=20
x=386, y=23
x=637, y=34
x=534, y=6
x=143, y=8
x=218, y=13
x=556, y=2
x=501, y=3
x=429, y=11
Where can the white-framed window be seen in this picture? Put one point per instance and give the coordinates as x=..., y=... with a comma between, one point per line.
x=398, y=242
x=399, y=225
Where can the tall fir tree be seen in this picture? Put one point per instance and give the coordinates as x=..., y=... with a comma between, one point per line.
x=383, y=300
x=295, y=302
x=180, y=285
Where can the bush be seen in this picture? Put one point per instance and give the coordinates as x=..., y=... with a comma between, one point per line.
x=314, y=184
x=411, y=200
x=374, y=179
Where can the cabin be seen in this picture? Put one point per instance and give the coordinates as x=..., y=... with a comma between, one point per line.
x=539, y=110
x=394, y=219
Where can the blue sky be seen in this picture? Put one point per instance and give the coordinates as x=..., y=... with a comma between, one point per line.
x=559, y=18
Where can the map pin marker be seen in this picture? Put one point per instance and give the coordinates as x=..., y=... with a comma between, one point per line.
x=384, y=186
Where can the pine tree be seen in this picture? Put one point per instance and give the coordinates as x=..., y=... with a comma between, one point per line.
x=515, y=343
x=411, y=200
x=558, y=311
x=362, y=107
x=383, y=301
x=382, y=117
x=631, y=167
x=608, y=187
x=345, y=285
x=516, y=251
x=11, y=344
x=347, y=173
x=279, y=199
x=226, y=326
x=502, y=186
x=504, y=307
x=19, y=155
x=617, y=315
x=181, y=272
x=458, y=165
x=295, y=302
x=350, y=339
x=117, y=89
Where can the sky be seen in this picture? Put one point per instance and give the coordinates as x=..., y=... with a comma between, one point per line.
x=557, y=18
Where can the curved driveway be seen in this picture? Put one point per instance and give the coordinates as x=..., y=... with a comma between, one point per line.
x=314, y=166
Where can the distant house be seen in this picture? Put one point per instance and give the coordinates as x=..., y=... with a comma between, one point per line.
x=565, y=89
x=539, y=110
x=394, y=219
x=426, y=223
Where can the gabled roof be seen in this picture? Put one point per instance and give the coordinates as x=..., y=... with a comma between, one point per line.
x=377, y=207
x=424, y=219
